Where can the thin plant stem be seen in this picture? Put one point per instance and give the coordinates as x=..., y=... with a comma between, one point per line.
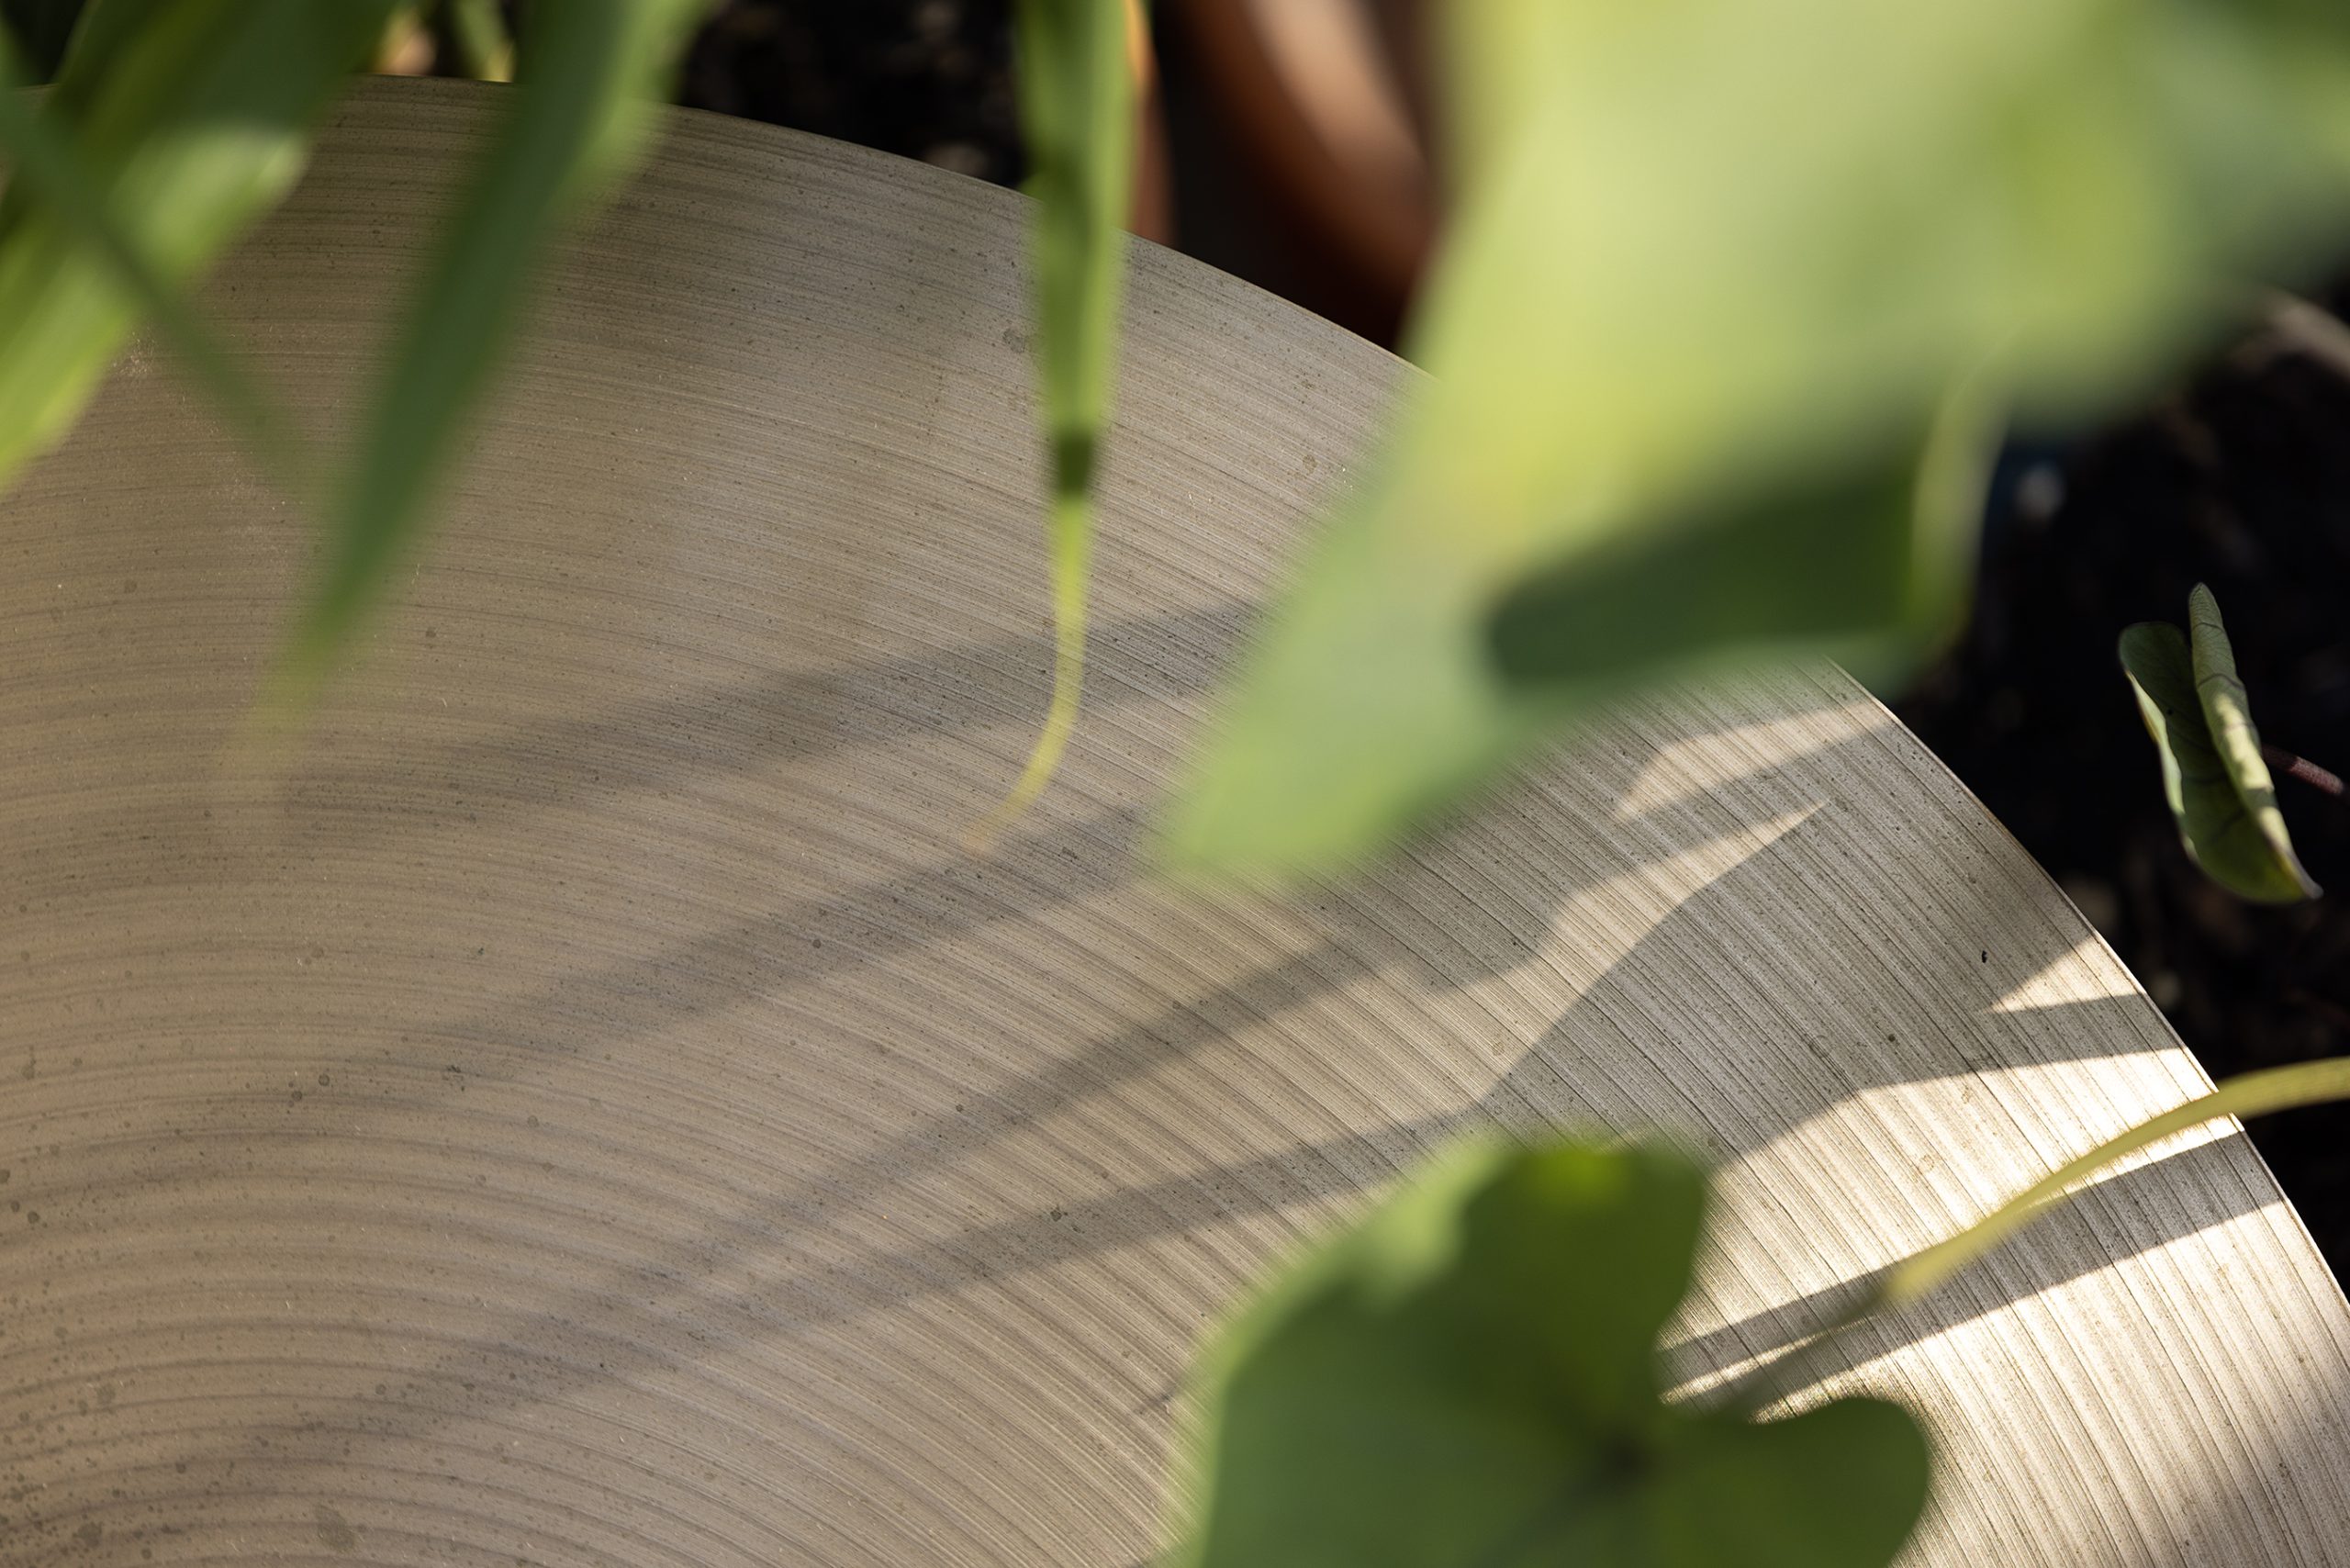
x=2302, y=768
x=1072, y=534
x=1921, y=1273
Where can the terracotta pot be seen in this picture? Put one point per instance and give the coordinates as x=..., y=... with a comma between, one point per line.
x=1322, y=104
x=1154, y=214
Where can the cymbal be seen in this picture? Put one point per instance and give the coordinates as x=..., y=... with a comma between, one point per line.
x=585, y=1106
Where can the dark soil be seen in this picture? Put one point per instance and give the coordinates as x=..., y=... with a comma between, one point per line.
x=2240, y=479
x=930, y=79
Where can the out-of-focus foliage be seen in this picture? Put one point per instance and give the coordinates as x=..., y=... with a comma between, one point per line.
x=1470, y=1376
x=2214, y=776
x=582, y=111
x=1721, y=270
x=177, y=123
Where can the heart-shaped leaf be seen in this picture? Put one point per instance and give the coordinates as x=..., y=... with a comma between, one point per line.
x=1468, y=1379
x=2218, y=789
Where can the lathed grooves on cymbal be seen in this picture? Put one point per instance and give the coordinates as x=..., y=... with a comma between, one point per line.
x=586, y=1108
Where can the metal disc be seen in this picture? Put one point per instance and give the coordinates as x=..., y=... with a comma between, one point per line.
x=584, y=1106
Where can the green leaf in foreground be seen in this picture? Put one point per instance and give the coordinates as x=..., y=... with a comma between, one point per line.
x=1468, y=1379
x=2218, y=789
x=1712, y=255
x=1859, y=564
x=1077, y=114
x=179, y=123
x=42, y=162
x=592, y=77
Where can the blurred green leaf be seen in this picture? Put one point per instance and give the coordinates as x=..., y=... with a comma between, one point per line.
x=2218, y=786
x=594, y=74
x=177, y=123
x=1077, y=115
x=41, y=160
x=1468, y=1379
x=1830, y=563
x=1711, y=252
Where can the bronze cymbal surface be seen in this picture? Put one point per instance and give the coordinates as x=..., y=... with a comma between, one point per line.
x=584, y=1106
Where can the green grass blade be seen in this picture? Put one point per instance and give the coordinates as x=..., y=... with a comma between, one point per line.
x=1077, y=114
x=182, y=121
x=593, y=72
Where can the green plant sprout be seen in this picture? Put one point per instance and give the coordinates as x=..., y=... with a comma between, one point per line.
x=1468, y=1378
x=2214, y=775
x=173, y=126
x=1077, y=115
